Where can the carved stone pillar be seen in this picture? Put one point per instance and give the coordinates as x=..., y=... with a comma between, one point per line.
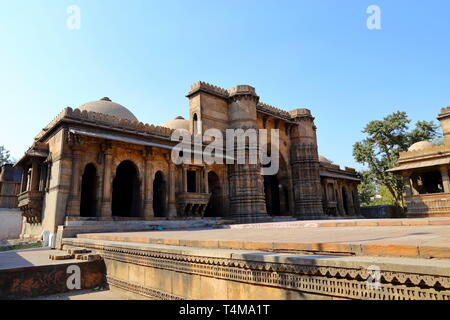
x=445, y=179
x=184, y=170
x=305, y=166
x=35, y=174
x=106, y=210
x=75, y=192
x=148, y=180
x=350, y=201
x=172, y=205
x=24, y=184
x=340, y=201
x=407, y=184
x=247, y=198
x=205, y=181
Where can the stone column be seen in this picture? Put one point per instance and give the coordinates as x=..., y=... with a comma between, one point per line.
x=106, y=210
x=35, y=174
x=305, y=166
x=340, y=201
x=75, y=194
x=148, y=180
x=407, y=184
x=350, y=203
x=24, y=184
x=198, y=181
x=184, y=170
x=445, y=179
x=172, y=205
x=247, y=198
x=414, y=186
x=205, y=181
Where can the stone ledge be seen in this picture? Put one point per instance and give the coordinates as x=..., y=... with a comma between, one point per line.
x=344, y=277
x=324, y=248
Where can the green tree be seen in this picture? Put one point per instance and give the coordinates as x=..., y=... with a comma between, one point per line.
x=385, y=140
x=4, y=156
x=367, y=189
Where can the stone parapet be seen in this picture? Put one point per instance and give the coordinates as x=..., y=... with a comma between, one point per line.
x=208, y=88
x=274, y=111
x=180, y=272
x=106, y=120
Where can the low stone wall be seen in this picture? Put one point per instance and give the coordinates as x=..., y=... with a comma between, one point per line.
x=429, y=205
x=377, y=212
x=35, y=281
x=166, y=272
x=10, y=223
x=72, y=228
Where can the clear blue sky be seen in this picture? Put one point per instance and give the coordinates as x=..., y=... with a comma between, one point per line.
x=145, y=54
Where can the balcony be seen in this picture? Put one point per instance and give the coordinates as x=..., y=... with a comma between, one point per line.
x=30, y=202
x=190, y=204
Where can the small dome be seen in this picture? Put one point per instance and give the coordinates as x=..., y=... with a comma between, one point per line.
x=177, y=123
x=106, y=106
x=420, y=146
x=324, y=160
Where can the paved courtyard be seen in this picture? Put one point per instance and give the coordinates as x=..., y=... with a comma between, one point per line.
x=425, y=241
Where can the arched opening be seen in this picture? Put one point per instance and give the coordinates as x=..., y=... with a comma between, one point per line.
x=272, y=192
x=159, y=194
x=195, y=125
x=88, y=205
x=215, y=206
x=345, y=200
x=126, y=196
x=276, y=190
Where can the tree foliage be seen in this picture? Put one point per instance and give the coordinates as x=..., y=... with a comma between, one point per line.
x=367, y=189
x=385, y=140
x=4, y=156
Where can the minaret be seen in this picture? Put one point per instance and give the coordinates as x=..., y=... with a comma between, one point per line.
x=444, y=119
x=247, y=199
x=305, y=166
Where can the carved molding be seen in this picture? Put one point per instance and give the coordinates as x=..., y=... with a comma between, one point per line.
x=345, y=282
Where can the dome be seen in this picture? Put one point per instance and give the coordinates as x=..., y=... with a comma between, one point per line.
x=420, y=146
x=177, y=123
x=106, y=106
x=325, y=160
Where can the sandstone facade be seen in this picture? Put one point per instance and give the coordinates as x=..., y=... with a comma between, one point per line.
x=97, y=162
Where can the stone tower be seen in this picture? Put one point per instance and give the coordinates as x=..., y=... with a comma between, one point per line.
x=305, y=166
x=444, y=119
x=247, y=199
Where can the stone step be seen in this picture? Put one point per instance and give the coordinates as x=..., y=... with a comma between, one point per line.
x=78, y=251
x=88, y=257
x=60, y=256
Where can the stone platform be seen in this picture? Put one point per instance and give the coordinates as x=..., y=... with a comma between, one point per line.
x=30, y=273
x=274, y=261
x=419, y=238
